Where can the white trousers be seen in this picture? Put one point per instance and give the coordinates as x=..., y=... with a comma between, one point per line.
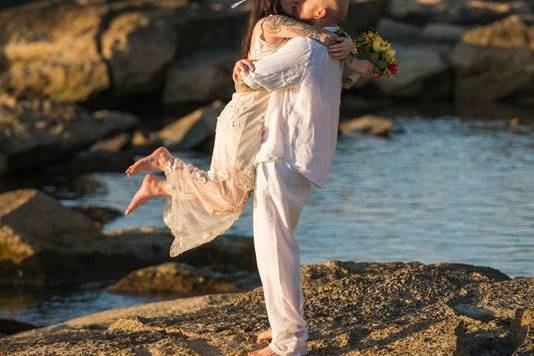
x=279, y=195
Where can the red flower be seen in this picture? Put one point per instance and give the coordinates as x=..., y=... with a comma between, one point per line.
x=393, y=68
x=375, y=76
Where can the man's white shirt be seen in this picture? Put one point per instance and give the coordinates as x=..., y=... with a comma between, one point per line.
x=302, y=116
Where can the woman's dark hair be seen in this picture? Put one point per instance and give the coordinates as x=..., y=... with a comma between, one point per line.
x=259, y=9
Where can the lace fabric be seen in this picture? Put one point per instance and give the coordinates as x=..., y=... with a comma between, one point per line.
x=204, y=204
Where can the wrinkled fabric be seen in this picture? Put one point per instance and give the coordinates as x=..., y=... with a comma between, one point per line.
x=204, y=204
x=301, y=121
x=279, y=196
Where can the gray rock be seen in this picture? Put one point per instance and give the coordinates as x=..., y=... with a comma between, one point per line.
x=203, y=77
x=76, y=51
x=495, y=61
x=443, y=32
x=100, y=215
x=364, y=14
x=181, y=279
x=137, y=46
x=113, y=144
x=52, y=49
x=43, y=243
x=397, y=31
x=36, y=132
x=193, y=129
x=463, y=12
x=371, y=124
x=423, y=73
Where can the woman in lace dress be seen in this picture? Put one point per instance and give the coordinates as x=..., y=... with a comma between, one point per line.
x=201, y=205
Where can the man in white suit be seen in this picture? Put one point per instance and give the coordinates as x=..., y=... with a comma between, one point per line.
x=298, y=145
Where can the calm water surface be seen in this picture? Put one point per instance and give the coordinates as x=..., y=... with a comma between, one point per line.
x=444, y=190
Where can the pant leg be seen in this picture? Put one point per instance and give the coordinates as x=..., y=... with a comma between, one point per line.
x=279, y=195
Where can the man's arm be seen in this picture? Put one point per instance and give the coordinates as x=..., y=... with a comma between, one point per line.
x=280, y=69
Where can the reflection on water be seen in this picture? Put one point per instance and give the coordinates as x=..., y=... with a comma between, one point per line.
x=445, y=190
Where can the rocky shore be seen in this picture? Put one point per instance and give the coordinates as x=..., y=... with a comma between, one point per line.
x=43, y=243
x=68, y=69
x=351, y=308
x=88, y=85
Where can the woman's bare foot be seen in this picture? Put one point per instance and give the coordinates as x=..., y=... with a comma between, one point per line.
x=152, y=186
x=264, y=335
x=153, y=162
x=266, y=351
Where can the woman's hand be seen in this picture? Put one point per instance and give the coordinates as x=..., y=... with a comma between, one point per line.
x=242, y=65
x=341, y=48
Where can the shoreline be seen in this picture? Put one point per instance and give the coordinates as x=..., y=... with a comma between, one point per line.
x=351, y=308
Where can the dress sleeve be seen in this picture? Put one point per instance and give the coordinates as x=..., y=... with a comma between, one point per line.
x=283, y=68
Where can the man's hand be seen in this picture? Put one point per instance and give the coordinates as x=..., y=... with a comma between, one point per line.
x=341, y=48
x=242, y=65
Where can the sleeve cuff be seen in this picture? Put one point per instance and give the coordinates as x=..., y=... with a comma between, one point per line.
x=248, y=79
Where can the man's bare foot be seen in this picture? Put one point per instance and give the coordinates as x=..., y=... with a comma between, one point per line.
x=152, y=186
x=266, y=351
x=264, y=335
x=153, y=162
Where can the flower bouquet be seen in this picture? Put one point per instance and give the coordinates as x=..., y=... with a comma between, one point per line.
x=375, y=49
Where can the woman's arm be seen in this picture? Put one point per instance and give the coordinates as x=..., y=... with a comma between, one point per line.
x=276, y=27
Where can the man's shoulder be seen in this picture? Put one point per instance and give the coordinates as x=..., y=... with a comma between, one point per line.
x=307, y=42
x=302, y=43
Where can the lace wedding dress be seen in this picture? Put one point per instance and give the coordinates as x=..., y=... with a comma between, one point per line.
x=204, y=204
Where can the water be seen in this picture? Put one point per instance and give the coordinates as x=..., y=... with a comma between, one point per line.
x=445, y=190
x=51, y=306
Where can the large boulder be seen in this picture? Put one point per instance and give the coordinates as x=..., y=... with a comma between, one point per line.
x=193, y=129
x=181, y=279
x=52, y=49
x=351, y=308
x=77, y=51
x=34, y=229
x=138, y=46
x=44, y=243
x=364, y=14
x=36, y=132
x=202, y=77
x=495, y=61
x=443, y=32
x=464, y=12
x=408, y=33
x=423, y=73
x=397, y=31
